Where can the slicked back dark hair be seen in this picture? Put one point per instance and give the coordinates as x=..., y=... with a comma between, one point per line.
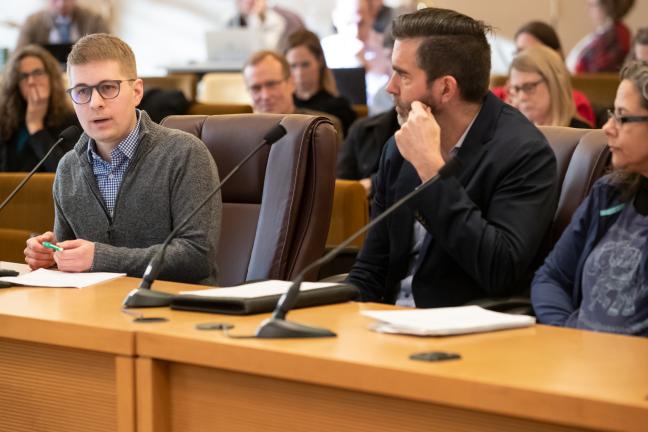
x=453, y=44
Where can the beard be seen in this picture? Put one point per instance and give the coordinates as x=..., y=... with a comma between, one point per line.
x=403, y=108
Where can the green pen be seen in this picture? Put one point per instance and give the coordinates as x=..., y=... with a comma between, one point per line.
x=52, y=246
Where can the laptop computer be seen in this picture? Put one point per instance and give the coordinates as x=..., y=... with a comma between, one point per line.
x=232, y=47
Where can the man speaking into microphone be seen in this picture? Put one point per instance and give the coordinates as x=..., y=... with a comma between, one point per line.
x=128, y=181
x=462, y=238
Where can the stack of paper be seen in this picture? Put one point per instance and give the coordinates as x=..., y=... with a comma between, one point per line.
x=445, y=321
x=54, y=278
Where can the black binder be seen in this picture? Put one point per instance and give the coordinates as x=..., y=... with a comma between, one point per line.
x=248, y=306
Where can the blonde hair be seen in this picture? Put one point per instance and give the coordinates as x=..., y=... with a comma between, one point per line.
x=101, y=47
x=548, y=64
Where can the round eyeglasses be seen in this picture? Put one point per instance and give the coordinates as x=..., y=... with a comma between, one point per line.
x=108, y=89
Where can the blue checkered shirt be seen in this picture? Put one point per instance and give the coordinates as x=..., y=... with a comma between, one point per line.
x=109, y=175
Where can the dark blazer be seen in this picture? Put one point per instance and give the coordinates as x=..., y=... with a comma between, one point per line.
x=362, y=148
x=484, y=227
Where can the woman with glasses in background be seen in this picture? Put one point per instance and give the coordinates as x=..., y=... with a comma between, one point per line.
x=596, y=277
x=34, y=109
x=540, y=88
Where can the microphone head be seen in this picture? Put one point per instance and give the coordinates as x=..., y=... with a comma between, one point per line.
x=70, y=134
x=452, y=168
x=275, y=134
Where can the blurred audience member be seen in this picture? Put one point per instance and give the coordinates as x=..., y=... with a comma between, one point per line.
x=314, y=83
x=595, y=277
x=639, y=49
x=34, y=109
x=538, y=32
x=63, y=21
x=540, y=87
x=605, y=49
x=356, y=44
x=267, y=77
x=360, y=154
x=276, y=23
x=382, y=15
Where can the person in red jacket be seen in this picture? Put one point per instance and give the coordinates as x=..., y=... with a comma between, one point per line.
x=605, y=49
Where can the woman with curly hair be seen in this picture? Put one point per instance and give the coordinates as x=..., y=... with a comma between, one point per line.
x=34, y=109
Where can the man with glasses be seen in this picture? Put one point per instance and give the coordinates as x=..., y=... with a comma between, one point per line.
x=271, y=87
x=128, y=182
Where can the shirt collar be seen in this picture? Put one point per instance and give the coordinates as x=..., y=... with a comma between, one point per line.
x=127, y=146
x=462, y=138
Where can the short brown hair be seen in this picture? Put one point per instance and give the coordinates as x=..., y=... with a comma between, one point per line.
x=453, y=44
x=101, y=47
x=545, y=33
x=259, y=56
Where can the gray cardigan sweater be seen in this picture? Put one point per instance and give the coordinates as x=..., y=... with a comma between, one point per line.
x=170, y=174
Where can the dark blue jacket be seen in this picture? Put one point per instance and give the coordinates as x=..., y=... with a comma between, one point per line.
x=484, y=227
x=556, y=290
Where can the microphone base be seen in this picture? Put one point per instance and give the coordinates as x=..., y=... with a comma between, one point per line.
x=274, y=328
x=142, y=297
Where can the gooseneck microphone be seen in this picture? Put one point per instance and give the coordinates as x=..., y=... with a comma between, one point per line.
x=277, y=327
x=144, y=296
x=70, y=134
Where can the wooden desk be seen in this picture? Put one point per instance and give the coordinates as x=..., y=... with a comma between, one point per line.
x=539, y=378
x=69, y=360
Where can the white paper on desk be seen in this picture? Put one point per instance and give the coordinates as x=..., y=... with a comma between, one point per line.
x=59, y=279
x=256, y=289
x=445, y=321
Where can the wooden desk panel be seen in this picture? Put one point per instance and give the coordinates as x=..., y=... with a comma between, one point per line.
x=66, y=360
x=513, y=380
x=76, y=347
